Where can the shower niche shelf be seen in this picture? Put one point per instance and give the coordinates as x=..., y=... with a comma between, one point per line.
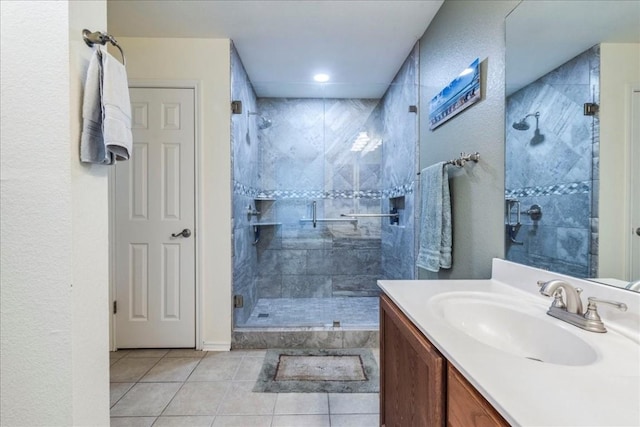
x=396, y=206
x=257, y=225
x=264, y=213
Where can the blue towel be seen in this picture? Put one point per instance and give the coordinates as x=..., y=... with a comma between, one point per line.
x=435, y=228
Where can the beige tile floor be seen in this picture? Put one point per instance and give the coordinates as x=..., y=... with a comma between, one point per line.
x=195, y=388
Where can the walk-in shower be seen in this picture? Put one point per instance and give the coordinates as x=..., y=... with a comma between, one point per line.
x=311, y=225
x=552, y=171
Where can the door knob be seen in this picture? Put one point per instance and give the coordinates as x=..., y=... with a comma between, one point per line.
x=184, y=233
x=638, y=231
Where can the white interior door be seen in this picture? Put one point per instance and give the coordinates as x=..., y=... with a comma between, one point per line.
x=635, y=187
x=154, y=202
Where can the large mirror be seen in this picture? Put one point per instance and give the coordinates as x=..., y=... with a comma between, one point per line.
x=572, y=199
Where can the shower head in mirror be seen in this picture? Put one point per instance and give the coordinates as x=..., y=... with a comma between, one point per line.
x=263, y=122
x=523, y=125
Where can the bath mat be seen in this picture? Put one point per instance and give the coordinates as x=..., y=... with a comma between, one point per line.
x=352, y=370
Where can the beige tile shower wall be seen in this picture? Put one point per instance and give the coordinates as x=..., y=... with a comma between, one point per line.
x=461, y=32
x=208, y=62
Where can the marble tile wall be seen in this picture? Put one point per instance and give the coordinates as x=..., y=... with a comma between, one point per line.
x=399, y=169
x=306, y=158
x=554, y=167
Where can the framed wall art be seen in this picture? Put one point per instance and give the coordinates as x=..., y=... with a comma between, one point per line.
x=460, y=94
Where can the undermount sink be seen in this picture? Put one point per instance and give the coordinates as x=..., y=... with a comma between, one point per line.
x=504, y=324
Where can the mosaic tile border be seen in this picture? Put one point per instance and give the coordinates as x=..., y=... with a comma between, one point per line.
x=244, y=190
x=399, y=190
x=551, y=190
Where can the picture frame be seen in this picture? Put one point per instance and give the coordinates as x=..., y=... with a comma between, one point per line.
x=459, y=95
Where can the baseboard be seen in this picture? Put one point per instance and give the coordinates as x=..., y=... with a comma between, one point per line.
x=216, y=346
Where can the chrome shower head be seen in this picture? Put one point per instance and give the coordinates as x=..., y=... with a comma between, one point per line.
x=263, y=122
x=523, y=125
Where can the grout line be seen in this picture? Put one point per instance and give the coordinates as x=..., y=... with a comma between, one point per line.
x=134, y=382
x=245, y=356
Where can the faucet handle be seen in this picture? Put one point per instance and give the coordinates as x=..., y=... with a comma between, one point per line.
x=592, y=317
x=592, y=308
x=619, y=305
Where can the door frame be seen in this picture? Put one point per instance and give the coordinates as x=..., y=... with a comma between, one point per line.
x=164, y=84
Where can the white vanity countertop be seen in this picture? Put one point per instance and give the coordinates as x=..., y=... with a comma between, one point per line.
x=605, y=392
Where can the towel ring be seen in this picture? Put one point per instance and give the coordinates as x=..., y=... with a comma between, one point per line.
x=102, y=38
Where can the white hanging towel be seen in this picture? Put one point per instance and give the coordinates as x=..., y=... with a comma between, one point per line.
x=116, y=108
x=435, y=219
x=106, y=112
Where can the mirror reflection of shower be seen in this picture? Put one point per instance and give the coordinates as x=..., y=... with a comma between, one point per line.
x=263, y=122
x=523, y=125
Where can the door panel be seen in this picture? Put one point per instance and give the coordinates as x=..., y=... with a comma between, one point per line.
x=155, y=199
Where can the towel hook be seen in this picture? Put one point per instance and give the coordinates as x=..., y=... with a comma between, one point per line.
x=101, y=38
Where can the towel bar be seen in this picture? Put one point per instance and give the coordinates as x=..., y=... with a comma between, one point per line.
x=463, y=159
x=101, y=38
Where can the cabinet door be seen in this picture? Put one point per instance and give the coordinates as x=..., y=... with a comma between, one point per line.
x=466, y=407
x=412, y=373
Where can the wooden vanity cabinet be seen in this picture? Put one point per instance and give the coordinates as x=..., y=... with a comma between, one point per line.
x=466, y=407
x=418, y=388
x=412, y=373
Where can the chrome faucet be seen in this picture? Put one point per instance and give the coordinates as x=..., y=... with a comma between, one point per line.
x=571, y=310
x=571, y=294
x=634, y=286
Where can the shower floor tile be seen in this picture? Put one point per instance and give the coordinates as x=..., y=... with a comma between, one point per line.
x=295, y=312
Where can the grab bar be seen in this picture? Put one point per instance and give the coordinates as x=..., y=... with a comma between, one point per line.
x=313, y=214
x=393, y=215
x=316, y=220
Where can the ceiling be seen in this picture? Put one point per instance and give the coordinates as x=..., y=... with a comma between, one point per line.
x=542, y=35
x=361, y=44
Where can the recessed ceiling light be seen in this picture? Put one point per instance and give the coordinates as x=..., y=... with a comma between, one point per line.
x=321, y=78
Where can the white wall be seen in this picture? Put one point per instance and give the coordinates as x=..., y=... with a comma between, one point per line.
x=619, y=70
x=54, y=363
x=90, y=238
x=208, y=62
